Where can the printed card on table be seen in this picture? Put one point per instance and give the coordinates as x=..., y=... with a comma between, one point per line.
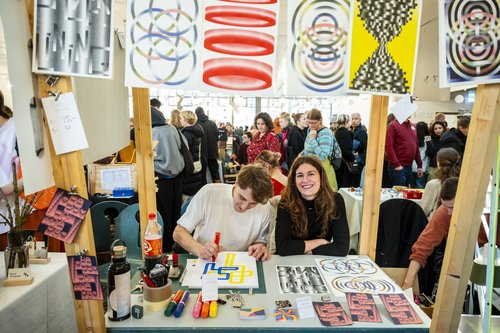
x=331, y=314
x=252, y=314
x=363, y=308
x=85, y=277
x=285, y=314
x=400, y=309
x=64, y=216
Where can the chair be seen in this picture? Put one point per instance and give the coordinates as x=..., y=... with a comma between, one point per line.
x=127, y=228
x=103, y=215
x=400, y=223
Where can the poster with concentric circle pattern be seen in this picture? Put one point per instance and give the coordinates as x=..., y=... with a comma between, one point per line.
x=469, y=42
x=317, y=35
x=163, y=43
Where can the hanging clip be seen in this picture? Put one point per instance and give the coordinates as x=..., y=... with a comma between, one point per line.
x=82, y=252
x=52, y=80
x=72, y=190
x=412, y=99
x=54, y=94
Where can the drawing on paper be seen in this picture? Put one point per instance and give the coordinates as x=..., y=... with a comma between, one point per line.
x=347, y=266
x=162, y=44
x=469, y=42
x=318, y=32
x=362, y=284
x=300, y=280
x=383, y=46
x=234, y=269
x=73, y=38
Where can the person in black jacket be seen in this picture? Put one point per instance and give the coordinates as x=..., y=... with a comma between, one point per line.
x=194, y=136
x=295, y=138
x=437, y=130
x=359, y=144
x=208, y=146
x=311, y=218
x=457, y=138
x=344, y=139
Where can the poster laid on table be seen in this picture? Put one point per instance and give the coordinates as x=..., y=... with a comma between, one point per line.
x=469, y=42
x=317, y=36
x=163, y=44
x=239, y=46
x=383, y=49
x=73, y=38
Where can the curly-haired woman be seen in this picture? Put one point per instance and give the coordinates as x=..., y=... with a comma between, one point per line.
x=311, y=217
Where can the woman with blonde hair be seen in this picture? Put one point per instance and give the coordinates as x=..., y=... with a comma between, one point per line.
x=175, y=118
x=448, y=165
x=311, y=218
x=271, y=162
x=319, y=142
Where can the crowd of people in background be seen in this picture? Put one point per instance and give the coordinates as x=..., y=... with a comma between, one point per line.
x=417, y=155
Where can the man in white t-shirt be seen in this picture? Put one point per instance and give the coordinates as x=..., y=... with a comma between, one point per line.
x=241, y=213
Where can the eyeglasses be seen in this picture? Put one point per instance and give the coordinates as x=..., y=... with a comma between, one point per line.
x=313, y=122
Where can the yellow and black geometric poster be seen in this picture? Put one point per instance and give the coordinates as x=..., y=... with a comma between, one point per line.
x=383, y=49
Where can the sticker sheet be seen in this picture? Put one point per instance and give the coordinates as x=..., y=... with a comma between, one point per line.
x=363, y=308
x=64, y=216
x=85, y=277
x=331, y=314
x=400, y=309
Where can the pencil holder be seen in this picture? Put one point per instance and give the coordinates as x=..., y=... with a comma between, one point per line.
x=156, y=299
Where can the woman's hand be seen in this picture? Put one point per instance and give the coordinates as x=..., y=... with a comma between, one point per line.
x=313, y=134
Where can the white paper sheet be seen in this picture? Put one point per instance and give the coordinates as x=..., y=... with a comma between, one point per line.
x=305, y=307
x=404, y=108
x=112, y=178
x=209, y=288
x=235, y=270
x=65, y=125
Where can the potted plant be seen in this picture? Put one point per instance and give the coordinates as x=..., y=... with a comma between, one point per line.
x=17, y=253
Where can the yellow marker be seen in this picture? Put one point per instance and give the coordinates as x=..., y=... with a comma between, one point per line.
x=213, y=309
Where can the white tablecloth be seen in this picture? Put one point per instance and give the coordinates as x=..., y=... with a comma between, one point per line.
x=354, y=209
x=44, y=306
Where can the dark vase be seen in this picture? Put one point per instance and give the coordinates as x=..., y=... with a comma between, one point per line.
x=17, y=253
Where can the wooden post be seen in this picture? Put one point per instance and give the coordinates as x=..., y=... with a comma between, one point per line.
x=469, y=203
x=68, y=171
x=146, y=186
x=373, y=175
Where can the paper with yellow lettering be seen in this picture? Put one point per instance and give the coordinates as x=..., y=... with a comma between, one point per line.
x=236, y=270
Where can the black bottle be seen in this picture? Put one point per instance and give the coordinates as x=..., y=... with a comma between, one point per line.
x=119, y=298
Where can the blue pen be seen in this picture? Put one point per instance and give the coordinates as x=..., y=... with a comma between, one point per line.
x=181, y=305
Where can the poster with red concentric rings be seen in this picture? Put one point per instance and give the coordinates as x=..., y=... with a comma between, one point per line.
x=317, y=38
x=163, y=44
x=469, y=42
x=239, y=46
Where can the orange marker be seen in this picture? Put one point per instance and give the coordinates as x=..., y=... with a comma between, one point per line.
x=216, y=241
x=205, y=308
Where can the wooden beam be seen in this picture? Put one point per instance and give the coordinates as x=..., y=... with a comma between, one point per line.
x=373, y=175
x=146, y=186
x=68, y=170
x=469, y=203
